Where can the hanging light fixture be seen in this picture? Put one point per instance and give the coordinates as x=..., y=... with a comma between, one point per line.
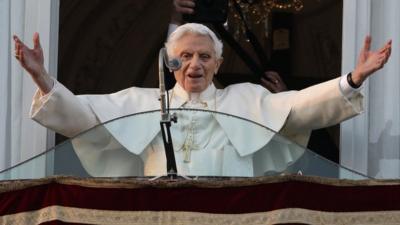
x=256, y=12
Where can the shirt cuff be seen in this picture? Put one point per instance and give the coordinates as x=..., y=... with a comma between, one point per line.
x=347, y=90
x=44, y=98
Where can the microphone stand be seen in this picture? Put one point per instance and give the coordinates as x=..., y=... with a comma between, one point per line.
x=166, y=119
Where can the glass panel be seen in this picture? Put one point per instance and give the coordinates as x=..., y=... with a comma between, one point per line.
x=205, y=144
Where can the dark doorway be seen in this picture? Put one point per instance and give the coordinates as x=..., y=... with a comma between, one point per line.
x=106, y=46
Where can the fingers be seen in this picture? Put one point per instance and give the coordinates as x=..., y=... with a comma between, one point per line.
x=273, y=82
x=385, y=47
x=18, y=42
x=36, y=41
x=371, y=61
x=20, y=49
x=184, y=6
x=17, y=47
x=381, y=60
x=386, y=50
x=273, y=76
x=186, y=3
x=19, y=55
x=16, y=39
x=268, y=84
x=367, y=43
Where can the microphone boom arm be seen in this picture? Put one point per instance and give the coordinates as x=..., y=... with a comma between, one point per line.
x=166, y=118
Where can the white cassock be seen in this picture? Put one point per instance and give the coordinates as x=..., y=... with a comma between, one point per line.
x=231, y=150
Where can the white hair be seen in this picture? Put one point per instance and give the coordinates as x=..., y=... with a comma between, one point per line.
x=193, y=28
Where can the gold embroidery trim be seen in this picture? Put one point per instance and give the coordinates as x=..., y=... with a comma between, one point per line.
x=13, y=185
x=290, y=215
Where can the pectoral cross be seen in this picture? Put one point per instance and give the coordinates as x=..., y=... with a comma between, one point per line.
x=187, y=147
x=187, y=153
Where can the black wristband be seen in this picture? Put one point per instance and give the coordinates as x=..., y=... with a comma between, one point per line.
x=351, y=82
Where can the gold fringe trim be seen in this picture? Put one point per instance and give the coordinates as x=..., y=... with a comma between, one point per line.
x=290, y=215
x=130, y=183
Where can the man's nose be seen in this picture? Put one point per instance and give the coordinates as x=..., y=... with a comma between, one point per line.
x=195, y=62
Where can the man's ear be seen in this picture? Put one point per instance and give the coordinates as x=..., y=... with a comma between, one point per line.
x=219, y=62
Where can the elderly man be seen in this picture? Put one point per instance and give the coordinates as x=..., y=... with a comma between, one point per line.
x=293, y=113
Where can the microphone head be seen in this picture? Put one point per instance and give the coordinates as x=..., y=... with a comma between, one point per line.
x=174, y=64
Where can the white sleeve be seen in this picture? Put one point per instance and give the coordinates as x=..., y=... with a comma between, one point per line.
x=322, y=105
x=62, y=111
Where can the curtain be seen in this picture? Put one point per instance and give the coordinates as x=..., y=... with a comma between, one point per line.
x=370, y=143
x=20, y=137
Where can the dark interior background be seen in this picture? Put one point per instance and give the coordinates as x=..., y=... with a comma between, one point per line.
x=106, y=46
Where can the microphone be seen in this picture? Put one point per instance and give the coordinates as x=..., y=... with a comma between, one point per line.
x=166, y=118
x=163, y=100
x=173, y=64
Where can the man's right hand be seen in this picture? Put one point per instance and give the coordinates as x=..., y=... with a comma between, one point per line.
x=181, y=7
x=32, y=60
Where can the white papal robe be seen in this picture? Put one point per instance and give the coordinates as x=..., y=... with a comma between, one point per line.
x=293, y=114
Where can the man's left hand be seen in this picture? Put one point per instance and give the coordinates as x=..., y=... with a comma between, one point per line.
x=370, y=61
x=273, y=82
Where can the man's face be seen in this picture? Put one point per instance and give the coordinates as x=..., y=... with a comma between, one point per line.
x=199, y=62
